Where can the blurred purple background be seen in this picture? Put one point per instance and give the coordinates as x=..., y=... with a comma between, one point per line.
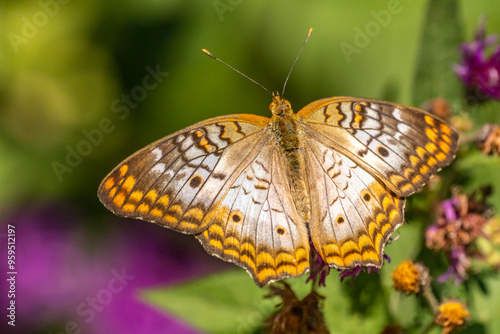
x=70, y=278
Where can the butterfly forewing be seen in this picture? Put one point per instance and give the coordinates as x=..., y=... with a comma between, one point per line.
x=403, y=146
x=174, y=181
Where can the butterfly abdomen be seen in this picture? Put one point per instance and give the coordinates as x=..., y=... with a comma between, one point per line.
x=298, y=184
x=288, y=139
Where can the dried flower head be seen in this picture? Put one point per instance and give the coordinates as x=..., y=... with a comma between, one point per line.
x=392, y=329
x=295, y=316
x=460, y=222
x=407, y=278
x=451, y=316
x=439, y=107
x=488, y=139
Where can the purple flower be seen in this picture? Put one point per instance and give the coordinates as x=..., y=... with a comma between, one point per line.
x=319, y=268
x=450, y=209
x=69, y=278
x=488, y=139
x=354, y=272
x=459, y=262
x=480, y=72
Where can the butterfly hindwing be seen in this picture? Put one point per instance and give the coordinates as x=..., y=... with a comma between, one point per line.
x=353, y=213
x=401, y=145
x=256, y=225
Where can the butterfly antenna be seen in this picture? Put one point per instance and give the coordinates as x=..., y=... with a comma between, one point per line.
x=243, y=74
x=297, y=58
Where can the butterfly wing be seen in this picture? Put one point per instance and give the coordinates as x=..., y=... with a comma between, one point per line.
x=401, y=145
x=363, y=157
x=353, y=213
x=219, y=179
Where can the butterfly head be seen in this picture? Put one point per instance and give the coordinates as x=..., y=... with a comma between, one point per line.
x=280, y=106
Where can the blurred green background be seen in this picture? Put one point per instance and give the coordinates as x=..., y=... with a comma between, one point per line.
x=66, y=65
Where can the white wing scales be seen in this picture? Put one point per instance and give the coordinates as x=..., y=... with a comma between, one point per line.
x=353, y=213
x=256, y=224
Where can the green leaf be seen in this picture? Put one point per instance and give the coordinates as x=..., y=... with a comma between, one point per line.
x=227, y=302
x=487, y=112
x=486, y=307
x=439, y=42
x=230, y=302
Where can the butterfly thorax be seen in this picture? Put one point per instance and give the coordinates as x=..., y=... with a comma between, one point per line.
x=288, y=138
x=285, y=124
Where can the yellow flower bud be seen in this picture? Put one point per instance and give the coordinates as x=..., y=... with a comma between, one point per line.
x=406, y=278
x=452, y=315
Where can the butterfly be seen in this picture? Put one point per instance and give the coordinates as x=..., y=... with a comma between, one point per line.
x=255, y=190
x=261, y=192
